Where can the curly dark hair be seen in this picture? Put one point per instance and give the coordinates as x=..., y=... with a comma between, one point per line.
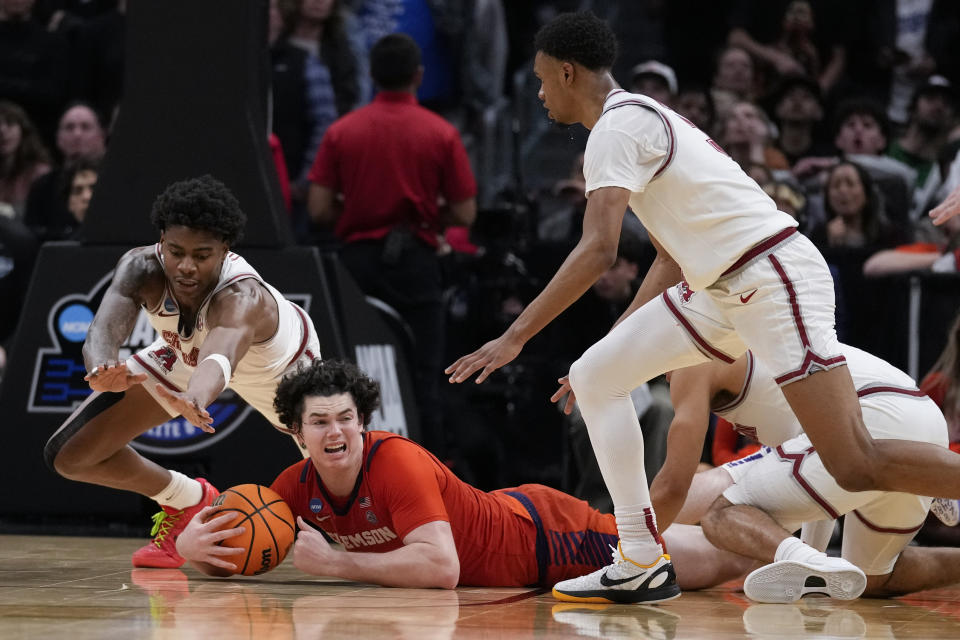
x=578, y=37
x=325, y=378
x=200, y=203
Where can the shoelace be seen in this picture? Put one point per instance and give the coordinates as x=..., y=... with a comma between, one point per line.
x=162, y=524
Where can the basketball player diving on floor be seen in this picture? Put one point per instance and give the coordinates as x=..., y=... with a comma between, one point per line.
x=753, y=504
x=406, y=520
x=219, y=325
x=762, y=284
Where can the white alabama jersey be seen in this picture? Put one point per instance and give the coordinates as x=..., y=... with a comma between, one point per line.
x=688, y=193
x=263, y=360
x=760, y=409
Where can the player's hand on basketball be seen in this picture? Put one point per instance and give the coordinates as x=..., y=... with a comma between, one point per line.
x=946, y=209
x=200, y=540
x=565, y=390
x=311, y=551
x=489, y=358
x=113, y=376
x=188, y=407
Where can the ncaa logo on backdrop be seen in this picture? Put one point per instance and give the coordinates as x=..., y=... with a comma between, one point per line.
x=58, y=386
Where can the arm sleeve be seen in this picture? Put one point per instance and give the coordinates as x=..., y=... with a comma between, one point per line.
x=459, y=183
x=407, y=480
x=626, y=152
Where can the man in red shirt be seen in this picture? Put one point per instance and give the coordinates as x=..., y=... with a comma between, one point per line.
x=404, y=519
x=404, y=177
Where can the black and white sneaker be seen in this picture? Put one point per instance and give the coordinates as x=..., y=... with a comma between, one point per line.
x=789, y=580
x=624, y=581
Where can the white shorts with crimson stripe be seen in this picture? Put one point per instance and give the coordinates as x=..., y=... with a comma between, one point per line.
x=777, y=300
x=791, y=484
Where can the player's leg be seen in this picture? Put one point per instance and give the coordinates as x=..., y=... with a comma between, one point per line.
x=876, y=538
x=580, y=539
x=773, y=496
x=822, y=404
x=706, y=487
x=699, y=564
x=789, y=325
x=92, y=445
x=858, y=461
x=917, y=568
x=649, y=342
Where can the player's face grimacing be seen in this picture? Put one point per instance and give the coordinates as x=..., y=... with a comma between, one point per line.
x=192, y=259
x=332, y=433
x=554, y=78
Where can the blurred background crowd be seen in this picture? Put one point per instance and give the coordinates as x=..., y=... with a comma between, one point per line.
x=845, y=113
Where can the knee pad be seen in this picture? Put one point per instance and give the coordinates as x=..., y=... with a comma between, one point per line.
x=97, y=406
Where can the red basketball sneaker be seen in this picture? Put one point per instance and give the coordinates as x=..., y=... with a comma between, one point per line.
x=161, y=552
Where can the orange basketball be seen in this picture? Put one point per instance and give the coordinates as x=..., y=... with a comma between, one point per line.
x=269, y=523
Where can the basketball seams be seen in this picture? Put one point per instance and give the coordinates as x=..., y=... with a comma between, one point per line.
x=276, y=545
x=248, y=509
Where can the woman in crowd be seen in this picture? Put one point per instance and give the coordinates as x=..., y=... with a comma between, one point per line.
x=855, y=216
x=23, y=158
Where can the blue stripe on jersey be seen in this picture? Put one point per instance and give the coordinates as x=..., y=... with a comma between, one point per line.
x=543, y=552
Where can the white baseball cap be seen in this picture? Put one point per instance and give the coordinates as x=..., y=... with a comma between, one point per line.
x=653, y=67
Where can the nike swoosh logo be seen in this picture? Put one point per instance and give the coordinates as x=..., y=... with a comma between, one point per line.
x=746, y=299
x=322, y=518
x=610, y=582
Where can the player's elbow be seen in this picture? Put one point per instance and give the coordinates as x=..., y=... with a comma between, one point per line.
x=856, y=469
x=854, y=478
x=447, y=574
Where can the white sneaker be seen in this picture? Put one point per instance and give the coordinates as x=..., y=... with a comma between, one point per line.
x=623, y=581
x=789, y=580
x=947, y=510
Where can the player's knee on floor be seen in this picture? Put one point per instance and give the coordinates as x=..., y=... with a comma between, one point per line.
x=58, y=455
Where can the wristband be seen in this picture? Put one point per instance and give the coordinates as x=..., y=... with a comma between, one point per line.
x=224, y=366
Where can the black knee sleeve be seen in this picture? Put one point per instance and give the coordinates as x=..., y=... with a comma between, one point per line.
x=97, y=406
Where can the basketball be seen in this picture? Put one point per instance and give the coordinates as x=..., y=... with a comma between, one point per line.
x=269, y=523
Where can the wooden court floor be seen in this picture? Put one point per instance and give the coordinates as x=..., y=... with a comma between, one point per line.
x=80, y=588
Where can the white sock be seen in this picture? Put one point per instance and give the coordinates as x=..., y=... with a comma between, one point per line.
x=182, y=492
x=639, y=539
x=793, y=549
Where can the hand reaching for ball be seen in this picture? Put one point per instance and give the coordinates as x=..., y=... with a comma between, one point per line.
x=200, y=540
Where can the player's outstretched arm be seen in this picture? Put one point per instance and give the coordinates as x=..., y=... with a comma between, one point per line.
x=136, y=281
x=236, y=317
x=595, y=253
x=199, y=543
x=690, y=394
x=427, y=559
